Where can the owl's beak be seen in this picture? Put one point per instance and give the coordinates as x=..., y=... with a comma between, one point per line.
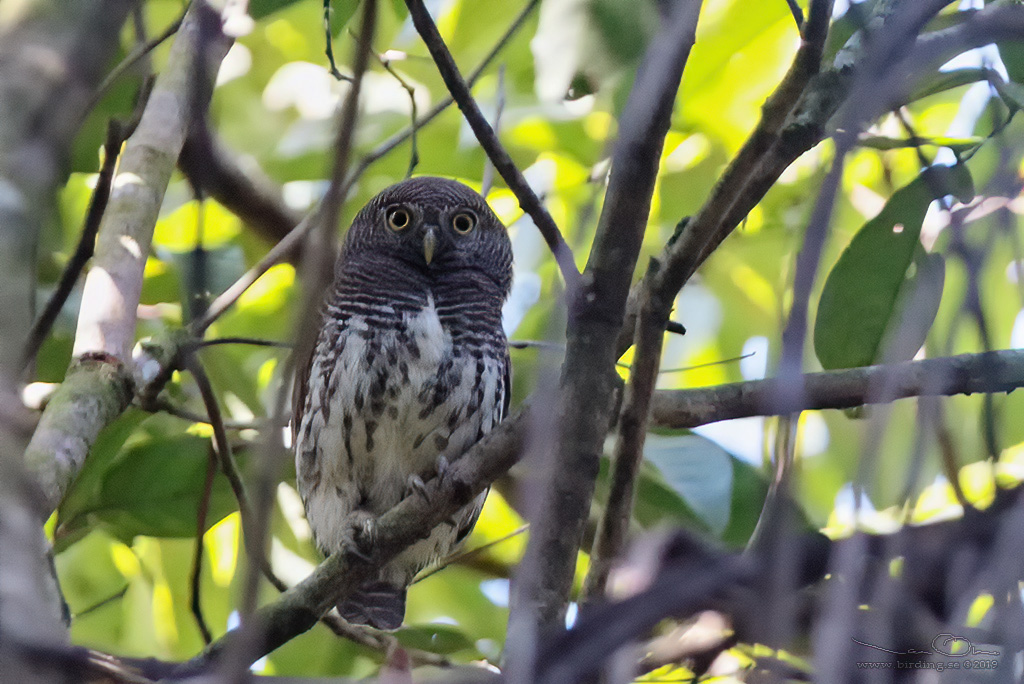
x=429, y=243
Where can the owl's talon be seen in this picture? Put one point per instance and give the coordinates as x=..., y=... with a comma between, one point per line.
x=362, y=534
x=416, y=485
x=442, y=467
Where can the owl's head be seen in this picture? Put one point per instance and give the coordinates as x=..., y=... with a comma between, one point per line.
x=437, y=226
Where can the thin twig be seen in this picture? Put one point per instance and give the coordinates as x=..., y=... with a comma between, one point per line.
x=292, y=241
x=196, y=576
x=499, y=107
x=798, y=14
x=492, y=146
x=400, y=137
x=162, y=404
x=470, y=553
x=131, y=60
x=221, y=443
x=329, y=41
x=414, y=154
x=254, y=341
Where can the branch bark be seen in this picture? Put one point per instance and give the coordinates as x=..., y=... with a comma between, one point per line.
x=411, y=520
x=52, y=55
x=301, y=606
x=595, y=318
x=106, y=326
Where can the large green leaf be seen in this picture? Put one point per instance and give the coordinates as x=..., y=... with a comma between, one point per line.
x=860, y=294
x=699, y=471
x=153, y=488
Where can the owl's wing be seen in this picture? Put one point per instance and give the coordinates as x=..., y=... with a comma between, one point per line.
x=467, y=523
x=300, y=387
x=506, y=380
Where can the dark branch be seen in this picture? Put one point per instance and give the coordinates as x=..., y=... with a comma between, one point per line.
x=411, y=520
x=798, y=14
x=998, y=371
x=595, y=317
x=528, y=200
x=242, y=190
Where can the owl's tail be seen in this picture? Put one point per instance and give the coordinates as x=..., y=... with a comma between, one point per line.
x=375, y=603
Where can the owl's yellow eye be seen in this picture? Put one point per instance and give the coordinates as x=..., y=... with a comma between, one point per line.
x=463, y=222
x=398, y=219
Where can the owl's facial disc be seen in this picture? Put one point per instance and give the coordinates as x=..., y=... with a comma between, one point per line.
x=429, y=243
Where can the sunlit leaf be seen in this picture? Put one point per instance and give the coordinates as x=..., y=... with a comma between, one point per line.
x=880, y=142
x=435, y=638
x=698, y=470
x=154, y=488
x=860, y=293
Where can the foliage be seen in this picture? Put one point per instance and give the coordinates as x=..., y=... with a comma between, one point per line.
x=122, y=534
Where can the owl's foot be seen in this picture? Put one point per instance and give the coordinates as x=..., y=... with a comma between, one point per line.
x=442, y=467
x=416, y=485
x=362, y=534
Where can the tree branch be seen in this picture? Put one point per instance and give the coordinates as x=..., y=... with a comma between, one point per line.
x=117, y=133
x=595, y=318
x=528, y=200
x=52, y=55
x=300, y=607
x=998, y=371
x=411, y=520
x=106, y=326
x=241, y=188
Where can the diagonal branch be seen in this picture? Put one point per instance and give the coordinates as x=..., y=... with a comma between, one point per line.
x=300, y=607
x=528, y=200
x=106, y=326
x=411, y=520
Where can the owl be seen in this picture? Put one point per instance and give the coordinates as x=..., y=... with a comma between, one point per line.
x=410, y=368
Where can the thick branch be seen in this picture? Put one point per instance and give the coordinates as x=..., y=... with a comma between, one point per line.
x=528, y=200
x=106, y=327
x=241, y=187
x=998, y=371
x=596, y=315
x=52, y=55
x=300, y=607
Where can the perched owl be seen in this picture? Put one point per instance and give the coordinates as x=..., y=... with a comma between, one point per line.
x=410, y=368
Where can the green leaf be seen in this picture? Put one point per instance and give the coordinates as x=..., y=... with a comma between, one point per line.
x=626, y=26
x=261, y=8
x=860, y=295
x=1012, y=54
x=916, y=308
x=881, y=142
x=85, y=491
x=434, y=638
x=699, y=471
x=154, y=489
x=941, y=81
